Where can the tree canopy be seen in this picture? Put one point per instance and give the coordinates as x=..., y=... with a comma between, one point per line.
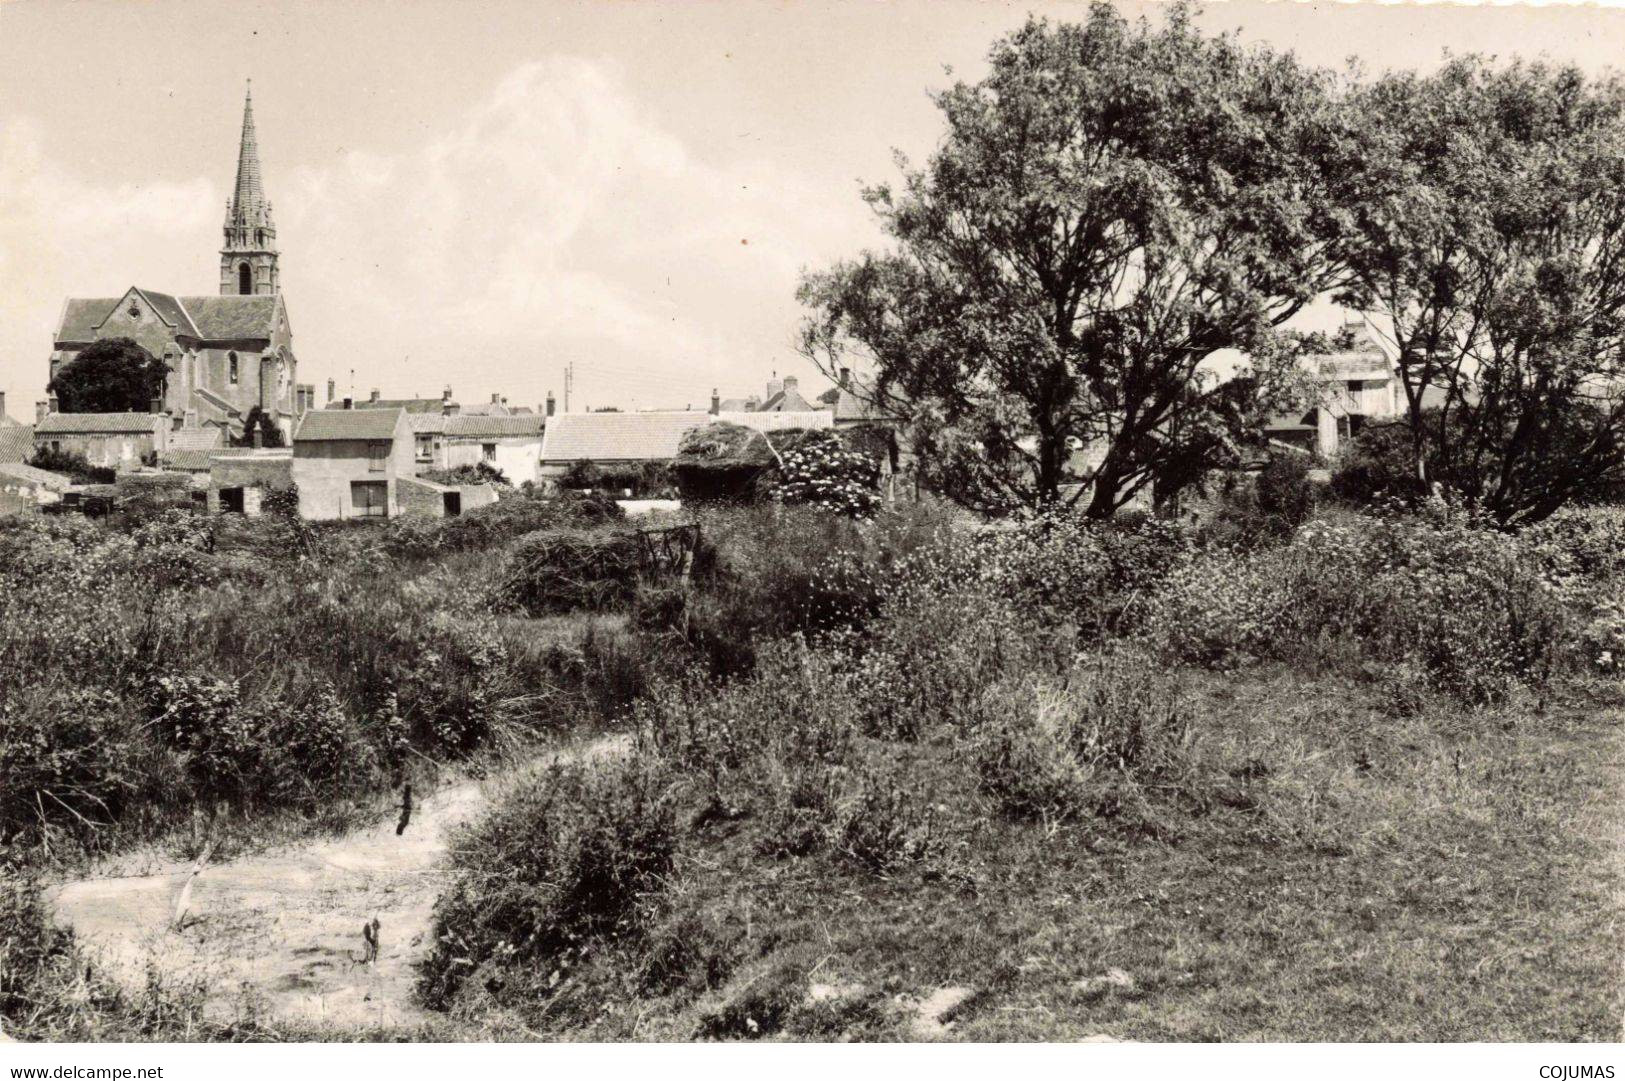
x=1489, y=240
x=1111, y=206
x=114, y=375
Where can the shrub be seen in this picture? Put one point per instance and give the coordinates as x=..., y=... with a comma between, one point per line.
x=73, y=464
x=1284, y=491
x=571, y=857
x=1115, y=740
x=817, y=470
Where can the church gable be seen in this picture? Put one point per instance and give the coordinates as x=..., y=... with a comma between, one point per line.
x=137, y=317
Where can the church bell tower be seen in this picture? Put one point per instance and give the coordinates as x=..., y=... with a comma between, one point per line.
x=248, y=260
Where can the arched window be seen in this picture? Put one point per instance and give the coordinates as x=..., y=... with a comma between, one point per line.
x=245, y=283
x=231, y=367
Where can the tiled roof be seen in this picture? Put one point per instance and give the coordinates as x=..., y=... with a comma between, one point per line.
x=739, y=405
x=212, y=318
x=80, y=316
x=16, y=444
x=189, y=461
x=226, y=317
x=56, y=482
x=411, y=405
x=171, y=311
x=194, y=439
x=858, y=404
x=426, y=423
x=474, y=427
x=324, y=425
x=97, y=423
x=617, y=436
x=612, y=437
x=484, y=409
x=788, y=400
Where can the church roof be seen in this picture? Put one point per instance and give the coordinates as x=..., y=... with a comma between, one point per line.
x=209, y=318
x=322, y=425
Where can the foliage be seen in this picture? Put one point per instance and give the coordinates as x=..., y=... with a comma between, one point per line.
x=1485, y=239
x=569, y=859
x=1284, y=491
x=821, y=472
x=580, y=474
x=478, y=473
x=1112, y=204
x=75, y=465
x=261, y=422
x=113, y=375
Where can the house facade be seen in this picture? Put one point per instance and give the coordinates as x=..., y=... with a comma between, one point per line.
x=348, y=463
x=112, y=440
x=511, y=444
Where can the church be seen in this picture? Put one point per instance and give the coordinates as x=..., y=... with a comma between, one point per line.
x=225, y=354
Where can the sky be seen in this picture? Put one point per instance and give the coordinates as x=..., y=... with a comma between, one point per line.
x=481, y=192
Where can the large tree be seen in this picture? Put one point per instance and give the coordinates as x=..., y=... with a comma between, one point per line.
x=1111, y=206
x=114, y=375
x=1490, y=243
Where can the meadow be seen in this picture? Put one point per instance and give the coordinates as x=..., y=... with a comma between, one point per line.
x=1346, y=775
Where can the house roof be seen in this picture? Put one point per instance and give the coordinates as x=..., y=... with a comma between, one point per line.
x=97, y=423
x=788, y=400
x=56, y=482
x=425, y=423
x=322, y=425
x=16, y=444
x=194, y=439
x=411, y=405
x=497, y=427
x=484, y=409
x=188, y=461
x=615, y=437
x=857, y=403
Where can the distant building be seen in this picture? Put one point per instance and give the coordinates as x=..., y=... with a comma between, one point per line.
x=22, y=487
x=225, y=354
x=512, y=444
x=348, y=463
x=111, y=440
x=1353, y=387
x=628, y=440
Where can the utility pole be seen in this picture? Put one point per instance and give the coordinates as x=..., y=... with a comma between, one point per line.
x=569, y=380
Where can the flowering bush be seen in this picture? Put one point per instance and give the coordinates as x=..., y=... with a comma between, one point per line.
x=821, y=472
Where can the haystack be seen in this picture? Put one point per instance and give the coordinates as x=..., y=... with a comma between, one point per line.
x=562, y=570
x=723, y=461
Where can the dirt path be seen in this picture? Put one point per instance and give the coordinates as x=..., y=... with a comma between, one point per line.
x=278, y=932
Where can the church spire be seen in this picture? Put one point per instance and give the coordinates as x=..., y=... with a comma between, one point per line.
x=248, y=262
x=250, y=193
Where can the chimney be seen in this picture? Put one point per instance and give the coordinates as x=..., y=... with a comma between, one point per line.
x=51, y=404
x=2, y=404
x=548, y=409
x=374, y=397
x=846, y=378
x=191, y=419
x=41, y=410
x=774, y=385
x=156, y=405
x=331, y=388
x=349, y=403
x=445, y=395
x=496, y=399
x=259, y=437
x=790, y=382
x=716, y=402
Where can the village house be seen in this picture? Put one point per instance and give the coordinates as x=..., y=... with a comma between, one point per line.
x=1352, y=387
x=510, y=444
x=347, y=463
x=112, y=440
x=627, y=441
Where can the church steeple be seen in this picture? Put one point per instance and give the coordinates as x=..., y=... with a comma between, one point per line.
x=248, y=261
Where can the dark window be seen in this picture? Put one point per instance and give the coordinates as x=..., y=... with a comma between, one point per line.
x=245, y=280
x=231, y=367
x=490, y=452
